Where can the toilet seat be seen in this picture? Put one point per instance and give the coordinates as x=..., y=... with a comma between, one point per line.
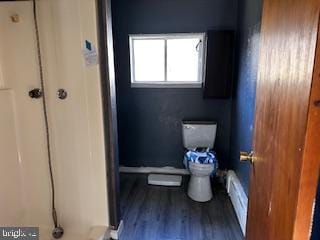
x=201, y=160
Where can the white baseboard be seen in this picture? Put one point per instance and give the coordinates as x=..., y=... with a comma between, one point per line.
x=163, y=170
x=238, y=198
x=115, y=234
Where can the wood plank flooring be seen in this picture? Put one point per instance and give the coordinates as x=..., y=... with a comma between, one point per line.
x=167, y=213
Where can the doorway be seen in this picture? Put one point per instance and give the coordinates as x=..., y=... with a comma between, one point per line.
x=270, y=11
x=154, y=115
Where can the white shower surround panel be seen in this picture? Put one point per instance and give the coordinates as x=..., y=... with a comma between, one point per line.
x=76, y=124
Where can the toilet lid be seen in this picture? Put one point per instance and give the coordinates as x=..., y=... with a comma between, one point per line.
x=201, y=157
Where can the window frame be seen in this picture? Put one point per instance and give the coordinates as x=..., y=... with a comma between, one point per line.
x=165, y=83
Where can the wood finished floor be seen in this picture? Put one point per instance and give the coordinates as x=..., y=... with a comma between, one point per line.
x=167, y=213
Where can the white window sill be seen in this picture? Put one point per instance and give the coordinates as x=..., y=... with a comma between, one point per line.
x=166, y=85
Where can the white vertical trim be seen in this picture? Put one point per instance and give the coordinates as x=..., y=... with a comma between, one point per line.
x=202, y=63
x=204, y=58
x=132, y=63
x=165, y=60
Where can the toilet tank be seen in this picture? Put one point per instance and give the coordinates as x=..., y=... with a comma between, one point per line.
x=198, y=134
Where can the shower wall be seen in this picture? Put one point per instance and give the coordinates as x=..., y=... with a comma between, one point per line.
x=75, y=124
x=24, y=177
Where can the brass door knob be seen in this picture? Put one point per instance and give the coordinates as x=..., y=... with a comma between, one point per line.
x=247, y=156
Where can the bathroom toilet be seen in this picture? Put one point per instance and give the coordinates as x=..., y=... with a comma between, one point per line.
x=199, y=135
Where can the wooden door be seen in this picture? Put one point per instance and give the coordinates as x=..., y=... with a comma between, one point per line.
x=284, y=176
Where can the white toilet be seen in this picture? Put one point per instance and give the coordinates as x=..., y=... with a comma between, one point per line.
x=195, y=135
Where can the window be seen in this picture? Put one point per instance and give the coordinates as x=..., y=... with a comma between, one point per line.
x=168, y=60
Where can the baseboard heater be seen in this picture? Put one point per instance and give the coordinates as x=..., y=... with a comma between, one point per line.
x=238, y=198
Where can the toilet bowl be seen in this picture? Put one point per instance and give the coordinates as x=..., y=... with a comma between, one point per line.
x=200, y=135
x=199, y=188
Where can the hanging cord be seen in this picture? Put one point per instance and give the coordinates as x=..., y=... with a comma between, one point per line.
x=54, y=212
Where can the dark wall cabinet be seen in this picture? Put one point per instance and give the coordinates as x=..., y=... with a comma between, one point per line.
x=219, y=64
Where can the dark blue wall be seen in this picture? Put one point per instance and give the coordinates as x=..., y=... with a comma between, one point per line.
x=316, y=219
x=243, y=106
x=150, y=119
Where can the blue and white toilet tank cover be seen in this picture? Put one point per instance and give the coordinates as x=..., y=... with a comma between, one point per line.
x=201, y=157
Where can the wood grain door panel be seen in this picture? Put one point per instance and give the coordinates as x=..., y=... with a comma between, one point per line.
x=287, y=50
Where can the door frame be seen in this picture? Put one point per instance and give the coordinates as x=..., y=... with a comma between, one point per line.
x=108, y=90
